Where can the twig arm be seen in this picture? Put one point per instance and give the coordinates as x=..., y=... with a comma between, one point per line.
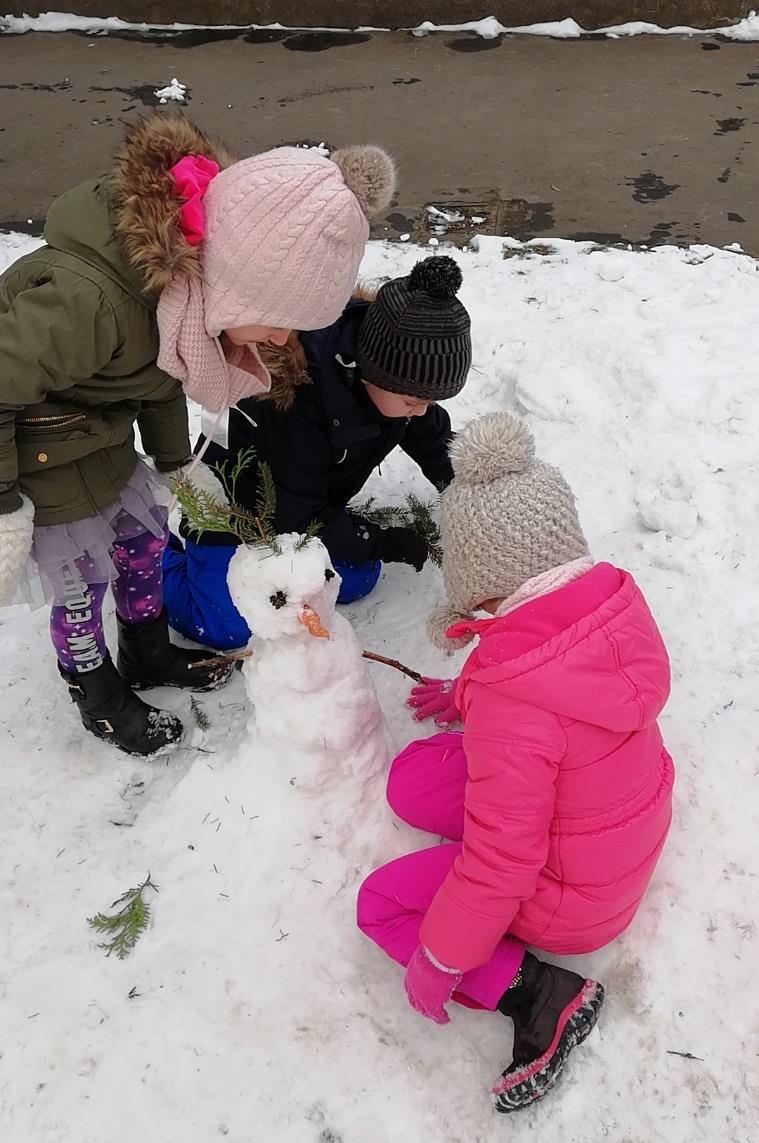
x=232, y=657
x=375, y=658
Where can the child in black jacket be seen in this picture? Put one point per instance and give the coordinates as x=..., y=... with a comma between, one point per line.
x=342, y=399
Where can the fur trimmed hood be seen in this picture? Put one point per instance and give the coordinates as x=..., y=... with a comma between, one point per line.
x=145, y=210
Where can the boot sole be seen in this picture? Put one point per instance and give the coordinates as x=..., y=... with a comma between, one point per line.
x=137, y=753
x=519, y=1089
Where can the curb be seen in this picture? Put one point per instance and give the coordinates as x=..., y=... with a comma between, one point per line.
x=400, y=14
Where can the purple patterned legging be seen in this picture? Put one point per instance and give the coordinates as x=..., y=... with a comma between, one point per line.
x=76, y=620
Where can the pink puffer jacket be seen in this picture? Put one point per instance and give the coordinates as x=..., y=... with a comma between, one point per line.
x=568, y=799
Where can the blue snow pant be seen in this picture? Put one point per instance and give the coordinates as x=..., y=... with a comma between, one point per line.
x=197, y=597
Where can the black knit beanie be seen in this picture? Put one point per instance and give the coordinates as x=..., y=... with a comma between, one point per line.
x=415, y=338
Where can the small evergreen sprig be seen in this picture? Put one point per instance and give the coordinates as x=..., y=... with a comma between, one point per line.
x=426, y=525
x=266, y=507
x=312, y=530
x=204, y=513
x=383, y=515
x=415, y=513
x=202, y=721
x=230, y=476
x=124, y=927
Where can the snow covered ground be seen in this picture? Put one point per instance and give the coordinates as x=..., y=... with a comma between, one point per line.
x=746, y=29
x=252, y=1010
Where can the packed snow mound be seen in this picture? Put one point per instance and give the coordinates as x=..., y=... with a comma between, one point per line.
x=490, y=28
x=309, y=686
x=746, y=29
x=252, y=1009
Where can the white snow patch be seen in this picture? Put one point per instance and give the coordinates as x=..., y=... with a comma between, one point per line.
x=665, y=504
x=320, y=148
x=444, y=215
x=746, y=29
x=13, y=245
x=101, y=25
x=259, y=1012
x=491, y=28
x=175, y=92
x=568, y=29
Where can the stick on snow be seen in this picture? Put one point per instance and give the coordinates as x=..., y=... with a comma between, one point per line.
x=240, y=656
x=394, y=663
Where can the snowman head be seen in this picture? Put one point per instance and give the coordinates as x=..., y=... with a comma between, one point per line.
x=290, y=592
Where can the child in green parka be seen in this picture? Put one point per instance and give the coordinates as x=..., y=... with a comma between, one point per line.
x=156, y=283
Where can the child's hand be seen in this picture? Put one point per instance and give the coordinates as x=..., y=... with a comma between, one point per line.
x=434, y=697
x=429, y=986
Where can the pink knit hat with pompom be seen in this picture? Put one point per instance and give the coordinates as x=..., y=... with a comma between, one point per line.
x=284, y=233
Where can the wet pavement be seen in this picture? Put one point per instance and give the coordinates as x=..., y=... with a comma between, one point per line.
x=644, y=140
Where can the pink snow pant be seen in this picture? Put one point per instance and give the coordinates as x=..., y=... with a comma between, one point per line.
x=425, y=788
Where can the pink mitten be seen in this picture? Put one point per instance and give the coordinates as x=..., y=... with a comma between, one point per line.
x=429, y=985
x=435, y=696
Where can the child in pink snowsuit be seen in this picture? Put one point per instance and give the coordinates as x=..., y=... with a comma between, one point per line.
x=556, y=796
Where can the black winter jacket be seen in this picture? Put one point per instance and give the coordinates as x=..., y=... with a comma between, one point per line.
x=324, y=448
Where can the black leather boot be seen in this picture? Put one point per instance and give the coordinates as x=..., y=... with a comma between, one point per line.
x=112, y=711
x=148, y=658
x=553, y=1011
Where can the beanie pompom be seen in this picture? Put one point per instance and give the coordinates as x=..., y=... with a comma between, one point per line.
x=370, y=173
x=440, y=620
x=492, y=447
x=439, y=277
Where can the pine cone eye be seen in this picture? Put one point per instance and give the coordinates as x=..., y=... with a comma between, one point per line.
x=329, y=574
x=279, y=599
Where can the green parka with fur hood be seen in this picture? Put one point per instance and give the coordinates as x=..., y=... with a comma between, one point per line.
x=79, y=336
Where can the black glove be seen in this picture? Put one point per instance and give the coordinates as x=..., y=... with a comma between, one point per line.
x=401, y=546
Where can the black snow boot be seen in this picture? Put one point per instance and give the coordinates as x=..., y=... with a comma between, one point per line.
x=148, y=658
x=112, y=711
x=553, y=1011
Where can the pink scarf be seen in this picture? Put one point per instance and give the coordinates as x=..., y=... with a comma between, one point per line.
x=212, y=371
x=547, y=581
x=216, y=374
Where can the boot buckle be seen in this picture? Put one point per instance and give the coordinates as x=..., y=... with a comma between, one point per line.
x=105, y=725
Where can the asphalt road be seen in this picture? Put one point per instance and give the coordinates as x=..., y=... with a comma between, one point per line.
x=643, y=140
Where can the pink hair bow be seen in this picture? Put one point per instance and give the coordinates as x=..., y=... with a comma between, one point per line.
x=191, y=176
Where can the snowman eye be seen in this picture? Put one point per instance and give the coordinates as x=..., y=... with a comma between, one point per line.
x=279, y=599
x=329, y=574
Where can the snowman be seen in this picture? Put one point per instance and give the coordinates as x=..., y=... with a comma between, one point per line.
x=315, y=704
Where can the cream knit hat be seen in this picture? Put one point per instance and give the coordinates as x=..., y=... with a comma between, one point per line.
x=506, y=518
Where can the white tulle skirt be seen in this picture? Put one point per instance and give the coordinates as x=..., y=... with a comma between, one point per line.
x=141, y=507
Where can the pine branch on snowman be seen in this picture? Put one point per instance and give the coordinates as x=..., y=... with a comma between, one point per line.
x=307, y=678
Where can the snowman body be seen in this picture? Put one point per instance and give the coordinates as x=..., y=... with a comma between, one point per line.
x=307, y=680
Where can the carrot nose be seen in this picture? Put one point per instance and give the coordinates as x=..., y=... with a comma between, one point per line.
x=313, y=624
